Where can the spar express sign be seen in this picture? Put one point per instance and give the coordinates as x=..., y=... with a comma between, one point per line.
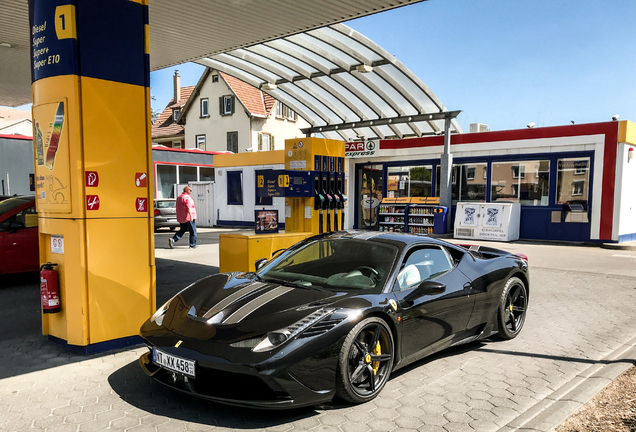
x=361, y=148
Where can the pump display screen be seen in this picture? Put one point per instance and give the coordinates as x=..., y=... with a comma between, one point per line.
x=298, y=181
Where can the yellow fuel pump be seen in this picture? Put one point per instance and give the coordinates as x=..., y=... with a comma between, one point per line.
x=313, y=168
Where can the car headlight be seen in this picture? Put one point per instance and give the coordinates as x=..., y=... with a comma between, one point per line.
x=158, y=316
x=276, y=338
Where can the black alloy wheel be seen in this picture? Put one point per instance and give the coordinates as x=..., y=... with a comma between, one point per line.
x=365, y=361
x=512, y=308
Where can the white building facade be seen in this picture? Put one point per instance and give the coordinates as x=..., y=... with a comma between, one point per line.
x=226, y=114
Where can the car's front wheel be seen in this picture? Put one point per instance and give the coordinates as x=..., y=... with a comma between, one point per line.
x=512, y=308
x=365, y=361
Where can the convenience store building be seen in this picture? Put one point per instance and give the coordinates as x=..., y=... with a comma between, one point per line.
x=574, y=183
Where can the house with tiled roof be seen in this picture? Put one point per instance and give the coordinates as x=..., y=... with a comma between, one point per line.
x=15, y=122
x=165, y=130
x=226, y=114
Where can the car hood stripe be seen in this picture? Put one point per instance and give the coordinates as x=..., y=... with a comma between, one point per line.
x=253, y=305
x=232, y=298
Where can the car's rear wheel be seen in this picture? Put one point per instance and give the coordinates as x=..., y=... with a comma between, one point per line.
x=512, y=308
x=365, y=361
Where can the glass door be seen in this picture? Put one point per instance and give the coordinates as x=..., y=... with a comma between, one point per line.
x=369, y=196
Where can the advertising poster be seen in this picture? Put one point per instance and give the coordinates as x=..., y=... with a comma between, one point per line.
x=266, y=221
x=469, y=215
x=50, y=139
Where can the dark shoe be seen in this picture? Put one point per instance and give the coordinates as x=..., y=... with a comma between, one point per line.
x=171, y=243
x=193, y=247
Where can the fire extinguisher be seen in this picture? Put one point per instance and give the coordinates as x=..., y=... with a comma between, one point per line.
x=49, y=288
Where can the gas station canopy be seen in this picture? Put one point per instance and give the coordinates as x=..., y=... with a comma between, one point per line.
x=334, y=76
x=186, y=30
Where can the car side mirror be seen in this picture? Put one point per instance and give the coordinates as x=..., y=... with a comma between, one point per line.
x=260, y=263
x=427, y=287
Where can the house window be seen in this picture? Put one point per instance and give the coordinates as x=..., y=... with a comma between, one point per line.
x=232, y=141
x=200, y=142
x=485, y=173
x=291, y=115
x=215, y=78
x=176, y=144
x=577, y=187
x=204, y=108
x=226, y=105
x=264, y=141
x=235, y=188
x=470, y=173
x=518, y=171
x=580, y=167
x=279, y=109
x=175, y=114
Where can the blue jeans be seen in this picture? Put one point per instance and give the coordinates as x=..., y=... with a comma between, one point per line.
x=191, y=227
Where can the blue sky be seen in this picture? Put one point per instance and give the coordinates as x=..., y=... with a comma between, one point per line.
x=502, y=62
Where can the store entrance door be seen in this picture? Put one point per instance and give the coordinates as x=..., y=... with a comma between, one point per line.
x=369, y=196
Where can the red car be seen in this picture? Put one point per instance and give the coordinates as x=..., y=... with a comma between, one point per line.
x=19, y=250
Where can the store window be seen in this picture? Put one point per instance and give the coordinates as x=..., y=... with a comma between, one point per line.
x=166, y=179
x=235, y=188
x=466, y=186
x=187, y=174
x=206, y=174
x=573, y=180
x=410, y=181
x=525, y=182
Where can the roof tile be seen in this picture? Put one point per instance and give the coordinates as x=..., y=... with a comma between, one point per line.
x=165, y=126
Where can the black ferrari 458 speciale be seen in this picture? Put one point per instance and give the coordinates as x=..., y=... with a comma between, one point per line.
x=333, y=315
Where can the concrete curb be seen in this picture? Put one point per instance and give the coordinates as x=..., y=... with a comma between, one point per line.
x=620, y=246
x=549, y=413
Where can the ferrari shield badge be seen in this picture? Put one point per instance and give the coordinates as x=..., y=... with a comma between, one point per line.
x=393, y=304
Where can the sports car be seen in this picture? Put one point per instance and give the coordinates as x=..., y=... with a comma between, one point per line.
x=335, y=314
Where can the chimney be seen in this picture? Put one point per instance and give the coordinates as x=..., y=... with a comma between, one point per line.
x=177, y=86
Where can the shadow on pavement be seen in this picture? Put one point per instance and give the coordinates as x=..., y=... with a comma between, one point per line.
x=136, y=388
x=24, y=349
x=173, y=276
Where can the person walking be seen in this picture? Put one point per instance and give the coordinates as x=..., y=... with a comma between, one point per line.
x=186, y=216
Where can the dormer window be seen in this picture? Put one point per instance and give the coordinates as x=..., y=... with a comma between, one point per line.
x=175, y=114
x=215, y=78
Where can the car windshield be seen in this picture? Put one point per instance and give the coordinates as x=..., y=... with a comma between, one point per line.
x=12, y=203
x=342, y=264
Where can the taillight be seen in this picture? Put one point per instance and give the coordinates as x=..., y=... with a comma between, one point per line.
x=157, y=212
x=522, y=256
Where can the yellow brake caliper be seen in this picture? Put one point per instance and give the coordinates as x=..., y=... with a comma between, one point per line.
x=376, y=364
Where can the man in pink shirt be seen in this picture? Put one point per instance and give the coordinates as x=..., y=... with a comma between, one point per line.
x=186, y=216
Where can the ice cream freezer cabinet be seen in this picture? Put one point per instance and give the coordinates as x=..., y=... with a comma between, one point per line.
x=487, y=221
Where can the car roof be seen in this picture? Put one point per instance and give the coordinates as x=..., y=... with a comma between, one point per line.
x=405, y=238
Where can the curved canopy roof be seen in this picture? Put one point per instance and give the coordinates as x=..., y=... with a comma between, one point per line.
x=340, y=82
x=185, y=30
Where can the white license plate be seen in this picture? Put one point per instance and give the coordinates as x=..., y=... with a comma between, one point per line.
x=173, y=363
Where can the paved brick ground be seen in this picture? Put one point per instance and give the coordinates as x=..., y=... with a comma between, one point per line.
x=575, y=323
